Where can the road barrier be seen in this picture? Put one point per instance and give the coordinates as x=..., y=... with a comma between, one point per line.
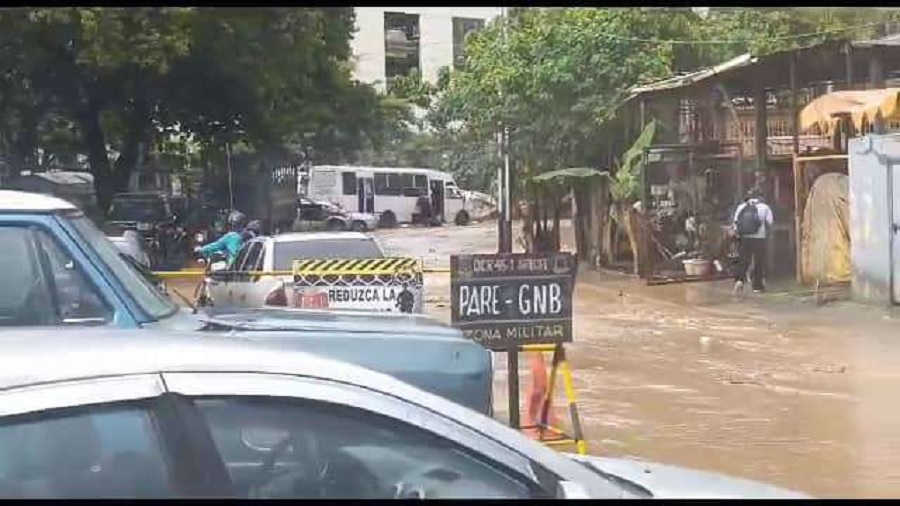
x=375, y=284
x=541, y=420
x=357, y=267
x=195, y=273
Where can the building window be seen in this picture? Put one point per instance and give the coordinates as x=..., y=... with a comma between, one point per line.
x=401, y=45
x=462, y=27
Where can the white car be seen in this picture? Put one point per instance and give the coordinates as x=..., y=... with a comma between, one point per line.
x=277, y=253
x=132, y=244
x=93, y=413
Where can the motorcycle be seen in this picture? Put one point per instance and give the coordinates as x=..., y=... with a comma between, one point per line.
x=202, y=294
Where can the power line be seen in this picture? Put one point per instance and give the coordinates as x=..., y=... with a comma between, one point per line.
x=744, y=41
x=432, y=43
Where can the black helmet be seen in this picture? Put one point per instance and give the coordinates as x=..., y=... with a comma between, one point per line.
x=236, y=220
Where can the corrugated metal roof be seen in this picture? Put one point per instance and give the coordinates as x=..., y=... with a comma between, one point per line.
x=694, y=77
x=890, y=40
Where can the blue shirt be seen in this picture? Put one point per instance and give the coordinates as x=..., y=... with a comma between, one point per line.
x=229, y=244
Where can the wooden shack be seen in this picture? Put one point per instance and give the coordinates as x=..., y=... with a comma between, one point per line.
x=745, y=115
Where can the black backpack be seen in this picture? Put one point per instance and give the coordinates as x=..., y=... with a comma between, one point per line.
x=748, y=221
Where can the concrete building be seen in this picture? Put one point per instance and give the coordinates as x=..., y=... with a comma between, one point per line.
x=394, y=41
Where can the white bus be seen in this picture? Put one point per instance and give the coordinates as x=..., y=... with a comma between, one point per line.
x=390, y=193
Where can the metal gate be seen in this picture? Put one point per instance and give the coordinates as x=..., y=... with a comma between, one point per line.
x=874, y=166
x=894, y=209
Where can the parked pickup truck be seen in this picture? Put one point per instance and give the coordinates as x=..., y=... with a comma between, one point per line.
x=67, y=273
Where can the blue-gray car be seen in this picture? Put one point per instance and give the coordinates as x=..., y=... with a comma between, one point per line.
x=58, y=269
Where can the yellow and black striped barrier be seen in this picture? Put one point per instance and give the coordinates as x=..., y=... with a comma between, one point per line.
x=377, y=284
x=547, y=433
x=355, y=267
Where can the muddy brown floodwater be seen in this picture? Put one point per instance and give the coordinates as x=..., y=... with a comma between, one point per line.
x=772, y=388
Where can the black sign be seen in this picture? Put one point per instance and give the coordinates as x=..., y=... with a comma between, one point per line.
x=509, y=300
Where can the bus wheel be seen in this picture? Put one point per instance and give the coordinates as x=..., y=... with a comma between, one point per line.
x=359, y=226
x=462, y=218
x=387, y=220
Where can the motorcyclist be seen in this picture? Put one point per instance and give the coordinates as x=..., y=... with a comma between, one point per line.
x=230, y=243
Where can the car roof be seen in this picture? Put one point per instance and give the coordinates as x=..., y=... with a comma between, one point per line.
x=35, y=355
x=320, y=236
x=11, y=200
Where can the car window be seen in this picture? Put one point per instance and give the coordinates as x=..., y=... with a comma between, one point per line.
x=241, y=256
x=254, y=255
x=153, y=302
x=76, y=299
x=283, y=448
x=29, y=303
x=100, y=451
x=138, y=209
x=43, y=297
x=287, y=252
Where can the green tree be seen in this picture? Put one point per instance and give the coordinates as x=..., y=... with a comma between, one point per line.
x=129, y=78
x=765, y=30
x=555, y=78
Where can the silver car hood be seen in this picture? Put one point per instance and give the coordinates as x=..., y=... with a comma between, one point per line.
x=672, y=482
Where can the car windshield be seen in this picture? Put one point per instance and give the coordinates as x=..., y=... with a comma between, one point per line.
x=287, y=252
x=131, y=209
x=154, y=303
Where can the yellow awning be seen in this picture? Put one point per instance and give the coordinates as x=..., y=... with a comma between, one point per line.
x=863, y=107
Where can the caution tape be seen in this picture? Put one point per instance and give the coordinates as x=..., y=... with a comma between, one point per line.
x=194, y=273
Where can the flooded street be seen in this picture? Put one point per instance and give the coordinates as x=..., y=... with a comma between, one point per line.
x=773, y=388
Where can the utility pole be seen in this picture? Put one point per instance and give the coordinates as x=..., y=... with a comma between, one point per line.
x=504, y=218
x=505, y=243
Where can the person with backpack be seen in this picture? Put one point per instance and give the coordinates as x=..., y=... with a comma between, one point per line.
x=752, y=221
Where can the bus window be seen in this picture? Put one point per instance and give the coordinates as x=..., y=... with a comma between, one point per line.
x=413, y=192
x=421, y=181
x=380, y=183
x=349, y=180
x=406, y=181
x=387, y=183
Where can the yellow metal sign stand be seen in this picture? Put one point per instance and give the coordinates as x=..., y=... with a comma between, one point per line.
x=553, y=436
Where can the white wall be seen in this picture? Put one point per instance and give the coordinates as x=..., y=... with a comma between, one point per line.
x=436, y=41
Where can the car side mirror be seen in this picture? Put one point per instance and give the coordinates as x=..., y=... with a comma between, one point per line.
x=571, y=490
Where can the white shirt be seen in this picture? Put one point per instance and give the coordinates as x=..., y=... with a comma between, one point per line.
x=765, y=215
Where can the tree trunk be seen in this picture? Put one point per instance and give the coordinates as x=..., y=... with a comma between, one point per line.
x=628, y=219
x=634, y=230
x=556, y=237
x=98, y=158
x=581, y=221
x=133, y=144
x=598, y=222
x=617, y=226
x=609, y=248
